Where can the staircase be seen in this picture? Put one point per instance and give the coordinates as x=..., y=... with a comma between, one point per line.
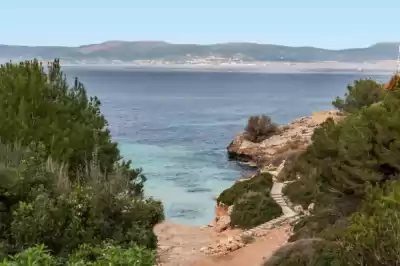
x=288, y=214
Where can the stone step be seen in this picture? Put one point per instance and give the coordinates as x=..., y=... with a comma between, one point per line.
x=277, y=198
x=280, y=200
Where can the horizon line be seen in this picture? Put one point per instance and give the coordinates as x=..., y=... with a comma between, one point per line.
x=200, y=44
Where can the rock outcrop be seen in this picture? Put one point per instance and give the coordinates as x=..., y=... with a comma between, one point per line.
x=294, y=136
x=393, y=82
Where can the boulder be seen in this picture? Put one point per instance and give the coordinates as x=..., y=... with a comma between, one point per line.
x=222, y=223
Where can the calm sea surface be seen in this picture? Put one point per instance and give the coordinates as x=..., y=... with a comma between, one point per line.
x=176, y=125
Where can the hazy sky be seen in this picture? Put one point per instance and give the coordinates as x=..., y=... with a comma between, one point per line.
x=328, y=24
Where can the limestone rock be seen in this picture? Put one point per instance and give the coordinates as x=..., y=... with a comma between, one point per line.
x=223, y=247
x=298, y=209
x=311, y=207
x=294, y=136
x=230, y=209
x=222, y=223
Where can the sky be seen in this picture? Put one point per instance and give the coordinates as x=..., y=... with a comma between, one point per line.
x=327, y=24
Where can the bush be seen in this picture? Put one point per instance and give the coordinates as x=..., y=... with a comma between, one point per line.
x=305, y=252
x=373, y=235
x=261, y=182
x=85, y=256
x=35, y=211
x=302, y=192
x=254, y=208
x=361, y=93
x=65, y=222
x=112, y=255
x=34, y=256
x=288, y=172
x=260, y=128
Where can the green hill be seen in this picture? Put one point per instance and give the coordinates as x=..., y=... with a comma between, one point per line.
x=156, y=50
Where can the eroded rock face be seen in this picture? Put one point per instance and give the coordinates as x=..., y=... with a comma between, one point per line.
x=294, y=136
x=222, y=218
x=223, y=223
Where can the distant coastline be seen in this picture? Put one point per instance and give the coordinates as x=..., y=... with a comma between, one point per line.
x=383, y=67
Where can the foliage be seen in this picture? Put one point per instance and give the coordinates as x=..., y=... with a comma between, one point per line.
x=290, y=157
x=364, y=148
x=302, y=192
x=305, y=252
x=373, y=236
x=85, y=256
x=351, y=172
x=364, y=92
x=254, y=208
x=259, y=128
x=260, y=183
x=63, y=183
x=112, y=255
x=37, y=211
x=35, y=256
x=39, y=107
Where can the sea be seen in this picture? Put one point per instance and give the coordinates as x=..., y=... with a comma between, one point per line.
x=176, y=125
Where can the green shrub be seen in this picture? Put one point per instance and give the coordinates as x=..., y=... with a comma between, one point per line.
x=85, y=256
x=302, y=192
x=112, y=255
x=254, y=208
x=34, y=256
x=305, y=252
x=259, y=128
x=361, y=93
x=373, y=235
x=288, y=172
x=261, y=182
x=84, y=215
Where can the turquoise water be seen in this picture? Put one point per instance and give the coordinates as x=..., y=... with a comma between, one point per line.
x=176, y=125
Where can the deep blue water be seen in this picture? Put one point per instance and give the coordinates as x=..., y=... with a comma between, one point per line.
x=176, y=125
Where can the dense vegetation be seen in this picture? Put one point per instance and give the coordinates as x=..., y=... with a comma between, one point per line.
x=63, y=183
x=259, y=128
x=254, y=208
x=252, y=202
x=260, y=183
x=351, y=172
x=361, y=93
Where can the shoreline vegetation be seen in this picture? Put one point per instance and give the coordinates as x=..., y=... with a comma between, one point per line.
x=344, y=181
x=67, y=197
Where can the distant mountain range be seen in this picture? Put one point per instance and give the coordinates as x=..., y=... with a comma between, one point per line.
x=157, y=50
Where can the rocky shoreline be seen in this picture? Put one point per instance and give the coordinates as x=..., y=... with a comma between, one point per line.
x=293, y=137
x=219, y=238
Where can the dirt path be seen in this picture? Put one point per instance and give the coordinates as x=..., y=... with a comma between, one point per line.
x=253, y=254
x=179, y=245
